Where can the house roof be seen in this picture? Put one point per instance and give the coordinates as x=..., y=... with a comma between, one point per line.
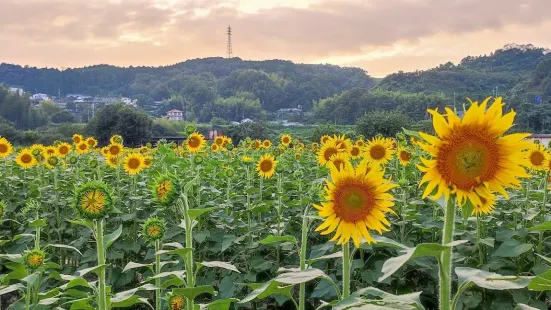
x=173, y=111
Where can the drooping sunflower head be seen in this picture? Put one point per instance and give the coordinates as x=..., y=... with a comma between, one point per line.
x=326, y=151
x=214, y=147
x=379, y=150
x=116, y=139
x=5, y=148
x=115, y=149
x=133, y=163
x=164, y=190
x=26, y=159
x=537, y=156
x=92, y=142
x=355, y=202
x=52, y=162
x=92, y=200
x=266, y=144
x=471, y=156
x=175, y=301
x=340, y=160
x=82, y=148
x=355, y=151
x=34, y=258
x=77, y=139
x=286, y=140
x=63, y=149
x=195, y=142
x=153, y=229
x=404, y=156
x=266, y=166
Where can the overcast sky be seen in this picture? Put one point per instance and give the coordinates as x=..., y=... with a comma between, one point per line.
x=380, y=36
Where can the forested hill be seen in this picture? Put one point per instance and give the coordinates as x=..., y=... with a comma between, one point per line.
x=275, y=83
x=476, y=77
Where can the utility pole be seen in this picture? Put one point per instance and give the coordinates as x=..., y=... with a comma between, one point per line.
x=229, y=52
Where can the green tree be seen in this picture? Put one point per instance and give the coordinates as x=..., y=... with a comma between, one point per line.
x=386, y=123
x=134, y=126
x=63, y=117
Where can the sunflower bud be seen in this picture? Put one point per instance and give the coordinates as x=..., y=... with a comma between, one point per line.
x=229, y=146
x=52, y=161
x=73, y=160
x=34, y=258
x=153, y=229
x=93, y=163
x=229, y=173
x=190, y=129
x=403, y=182
x=93, y=200
x=175, y=301
x=164, y=190
x=198, y=159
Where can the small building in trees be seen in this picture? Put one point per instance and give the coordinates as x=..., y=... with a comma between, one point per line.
x=175, y=115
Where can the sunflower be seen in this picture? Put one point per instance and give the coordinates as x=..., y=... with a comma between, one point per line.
x=326, y=151
x=133, y=163
x=26, y=159
x=92, y=200
x=195, y=142
x=105, y=151
x=176, y=302
x=153, y=229
x=266, y=166
x=116, y=139
x=355, y=202
x=340, y=160
x=324, y=139
x=50, y=151
x=404, y=156
x=63, y=149
x=471, y=156
x=147, y=161
x=37, y=150
x=114, y=149
x=286, y=140
x=112, y=162
x=164, y=190
x=355, y=151
x=214, y=147
x=266, y=144
x=77, y=138
x=34, y=258
x=246, y=159
x=257, y=144
x=92, y=142
x=82, y=148
x=486, y=206
x=342, y=142
x=379, y=150
x=52, y=161
x=297, y=155
x=5, y=148
x=360, y=143
x=537, y=156
x=219, y=140
x=315, y=145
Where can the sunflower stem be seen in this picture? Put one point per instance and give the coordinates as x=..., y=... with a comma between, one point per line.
x=190, y=276
x=479, y=236
x=102, y=297
x=543, y=214
x=345, y=270
x=158, y=299
x=445, y=265
x=303, y=245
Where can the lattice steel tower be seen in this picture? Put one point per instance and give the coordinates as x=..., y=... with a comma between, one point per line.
x=229, y=52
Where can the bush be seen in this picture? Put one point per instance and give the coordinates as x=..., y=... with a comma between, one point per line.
x=134, y=126
x=386, y=123
x=256, y=130
x=63, y=117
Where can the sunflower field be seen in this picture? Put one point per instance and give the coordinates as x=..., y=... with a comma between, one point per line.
x=455, y=220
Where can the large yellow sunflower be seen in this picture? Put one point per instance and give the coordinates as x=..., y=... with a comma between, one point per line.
x=112, y=162
x=64, y=149
x=379, y=150
x=115, y=149
x=215, y=147
x=266, y=166
x=404, y=156
x=286, y=140
x=5, y=148
x=355, y=151
x=133, y=163
x=266, y=144
x=326, y=151
x=82, y=148
x=471, y=157
x=195, y=142
x=536, y=157
x=77, y=138
x=50, y=151
x=92, y=142
x=26, y=159
x=356, y=202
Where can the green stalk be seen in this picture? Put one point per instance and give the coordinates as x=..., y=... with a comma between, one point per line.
x=190, y=276
x=158, y=299
x=303, y=244
x=102, y=294
x=445, y=265
x=346, y=270
x=543, y=213
x=28, y=297
x=480, y=245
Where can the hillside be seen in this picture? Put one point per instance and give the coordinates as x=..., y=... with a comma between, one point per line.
x=194, y=84
x=476, y=77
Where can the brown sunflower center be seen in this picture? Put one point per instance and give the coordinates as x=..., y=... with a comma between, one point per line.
x=26, y=158
x=353, y=200
x=339, y=163
x=355, y=151
x=162, y=189
x=114, y=150
x=63, y=150
x=153, y=230
x=377, y=152
x=193, y=142
x=405, y=155
x=266, y=143
x=176, y=303
x=471, y=157
x=285, y=140
x=3, y=148
x=82, y=146
x=90, y=142
x=329, y=152
x=133, y=163
x=536, y=158
x=266, y=165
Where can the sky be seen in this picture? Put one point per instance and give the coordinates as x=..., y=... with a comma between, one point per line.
x=380, y=36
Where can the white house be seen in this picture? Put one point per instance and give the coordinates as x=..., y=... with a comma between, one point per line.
x=175, y=115
x=15, y=90
x=542, y=138
x=39, y=97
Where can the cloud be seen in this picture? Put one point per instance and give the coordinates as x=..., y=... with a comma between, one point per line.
x=154, y=32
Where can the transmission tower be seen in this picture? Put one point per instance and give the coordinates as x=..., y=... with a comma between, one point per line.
x=229, y=52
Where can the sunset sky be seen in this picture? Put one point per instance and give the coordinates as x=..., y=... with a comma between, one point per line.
x=380, y=36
